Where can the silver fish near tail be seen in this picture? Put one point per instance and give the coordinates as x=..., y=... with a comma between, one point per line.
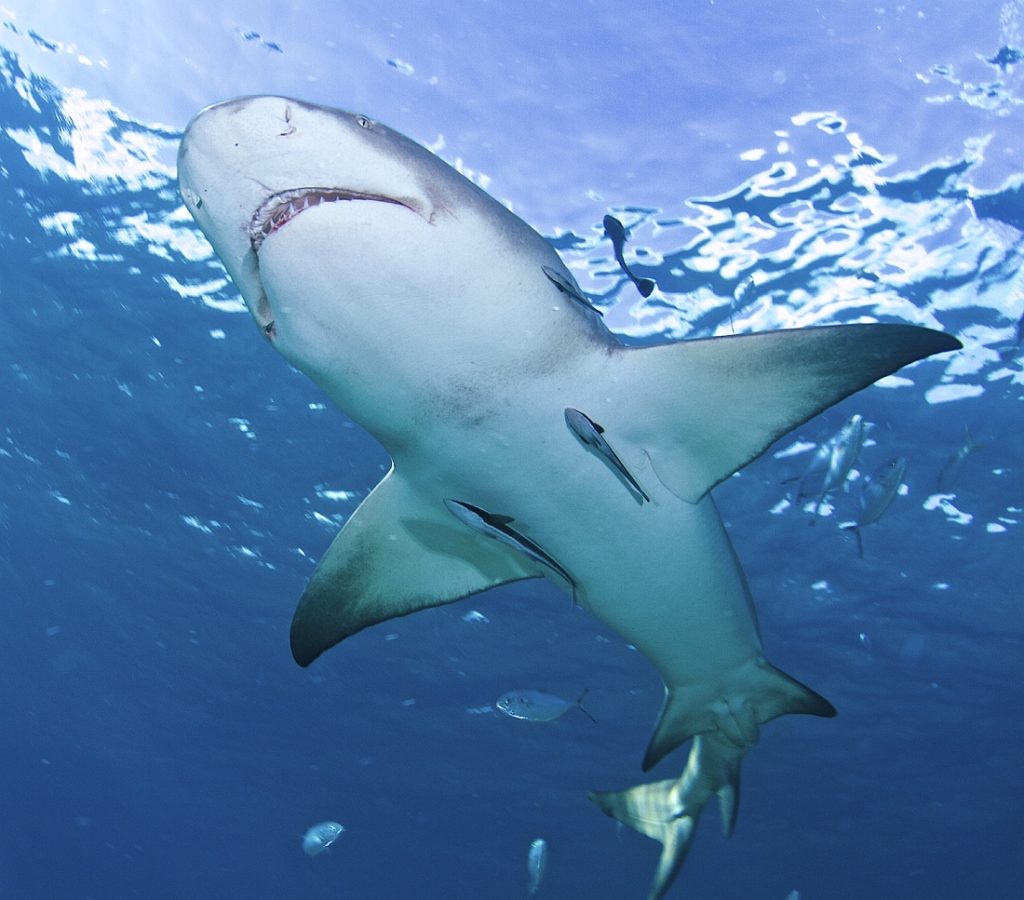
x=876, y=494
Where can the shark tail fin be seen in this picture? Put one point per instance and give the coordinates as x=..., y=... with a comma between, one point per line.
x=757, y=693
x=669, y=811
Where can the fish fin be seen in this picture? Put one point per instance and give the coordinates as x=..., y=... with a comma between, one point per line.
x=855, y=528
x=817, y=507
x=582, y=708
x=713, y=405
x=753, y=694
x=400, y=552
x=670, y=810
x=970, y=443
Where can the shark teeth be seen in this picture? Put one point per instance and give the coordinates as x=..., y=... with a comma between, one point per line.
x=279, y=209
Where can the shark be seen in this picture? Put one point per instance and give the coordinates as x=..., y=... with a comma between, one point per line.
x=452, y=332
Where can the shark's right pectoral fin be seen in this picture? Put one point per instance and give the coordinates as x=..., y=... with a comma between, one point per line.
x=399, y=553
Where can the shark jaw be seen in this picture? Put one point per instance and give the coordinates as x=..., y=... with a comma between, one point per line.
x=280, y=208
x=458, y=338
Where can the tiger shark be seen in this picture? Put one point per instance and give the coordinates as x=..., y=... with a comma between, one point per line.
x=453, y=333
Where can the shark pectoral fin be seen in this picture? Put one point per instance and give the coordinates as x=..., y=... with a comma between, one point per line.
x=669, y=811
x=397, y=554
x=711, y=406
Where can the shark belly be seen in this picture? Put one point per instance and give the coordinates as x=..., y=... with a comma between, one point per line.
x=675, y=591
x=662, y=574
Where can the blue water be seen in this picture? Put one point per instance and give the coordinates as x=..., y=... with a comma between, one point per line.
x=168, y=482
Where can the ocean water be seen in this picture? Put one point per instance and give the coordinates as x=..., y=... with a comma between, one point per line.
x=168, y=481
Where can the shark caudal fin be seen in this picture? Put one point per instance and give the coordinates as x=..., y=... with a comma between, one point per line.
x=754, y=694
x=669, y=811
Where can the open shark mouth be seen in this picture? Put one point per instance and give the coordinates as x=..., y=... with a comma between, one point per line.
x=279, y=209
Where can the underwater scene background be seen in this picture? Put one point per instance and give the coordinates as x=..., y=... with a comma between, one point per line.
x=168, y=481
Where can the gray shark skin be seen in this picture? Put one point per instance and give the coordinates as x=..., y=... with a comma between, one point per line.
x=428, y=313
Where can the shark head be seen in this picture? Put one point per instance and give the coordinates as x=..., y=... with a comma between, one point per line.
x=340, y=233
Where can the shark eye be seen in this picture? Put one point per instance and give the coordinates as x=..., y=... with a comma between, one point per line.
x=362, y=122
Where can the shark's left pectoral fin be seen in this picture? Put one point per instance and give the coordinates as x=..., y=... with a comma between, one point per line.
x=711, y=406
x=400, y=552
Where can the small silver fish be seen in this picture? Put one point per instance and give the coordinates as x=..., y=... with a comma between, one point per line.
x=617, y=234
x=538, y=706
x=876, y=495
x=954, y=465
x=536, y=862
x=818, y=466
x=844, y=448
x=500, y=528
x=319, y=837
x=592, y=435
x=569, y=289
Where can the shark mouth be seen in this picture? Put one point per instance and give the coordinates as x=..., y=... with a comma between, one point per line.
x=279, y=209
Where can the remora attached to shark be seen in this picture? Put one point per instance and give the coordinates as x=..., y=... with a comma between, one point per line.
x=428, y=313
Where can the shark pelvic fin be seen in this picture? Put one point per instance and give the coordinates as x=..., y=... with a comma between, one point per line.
x=714, y=405
x=398, y=553
x=763, y=693
x=669, y=811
